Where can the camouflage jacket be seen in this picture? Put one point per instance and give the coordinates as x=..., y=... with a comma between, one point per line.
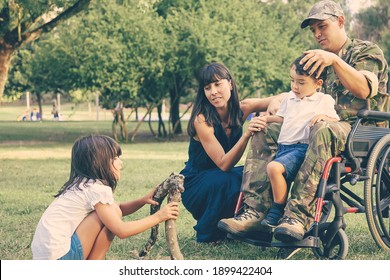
x=363, y=56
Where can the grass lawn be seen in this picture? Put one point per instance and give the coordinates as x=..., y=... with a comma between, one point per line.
x=35, y=161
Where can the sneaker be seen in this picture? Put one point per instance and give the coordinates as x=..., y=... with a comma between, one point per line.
x=289, y=230
x=273, y=217
x=270, y=222
x=248, y=222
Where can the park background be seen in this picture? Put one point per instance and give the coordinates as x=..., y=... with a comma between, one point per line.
x=128, y=69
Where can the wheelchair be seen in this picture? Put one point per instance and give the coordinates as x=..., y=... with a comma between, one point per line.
x=366, y=159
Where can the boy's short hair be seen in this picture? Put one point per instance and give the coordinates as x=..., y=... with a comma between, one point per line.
x=300, y=71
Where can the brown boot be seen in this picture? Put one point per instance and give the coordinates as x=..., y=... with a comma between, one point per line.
x=246, y=225
x=289, y=230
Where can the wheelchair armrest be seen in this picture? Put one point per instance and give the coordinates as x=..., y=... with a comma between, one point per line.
x=374, y=115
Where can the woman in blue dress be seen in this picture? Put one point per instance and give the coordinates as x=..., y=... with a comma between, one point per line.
x=217, y=142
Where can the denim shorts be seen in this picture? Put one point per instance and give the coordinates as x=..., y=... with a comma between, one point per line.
x=291, y=157
x=76, y=251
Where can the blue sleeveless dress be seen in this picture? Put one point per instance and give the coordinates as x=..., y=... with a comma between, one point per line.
x=210, y=194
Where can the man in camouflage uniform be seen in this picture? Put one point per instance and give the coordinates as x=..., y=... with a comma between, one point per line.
x=357, y=76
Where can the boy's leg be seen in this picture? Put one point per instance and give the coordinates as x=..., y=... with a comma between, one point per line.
x=275, y=171
x=326, y=140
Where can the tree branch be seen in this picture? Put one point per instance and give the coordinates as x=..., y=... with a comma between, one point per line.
x=30, y=36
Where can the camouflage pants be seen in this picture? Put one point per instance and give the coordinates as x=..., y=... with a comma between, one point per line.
x=326, y=140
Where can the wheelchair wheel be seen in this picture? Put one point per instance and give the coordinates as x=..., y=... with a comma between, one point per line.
x=377, y=193
x=338, y=248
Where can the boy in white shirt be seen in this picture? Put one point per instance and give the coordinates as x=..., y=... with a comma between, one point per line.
x=303, y=107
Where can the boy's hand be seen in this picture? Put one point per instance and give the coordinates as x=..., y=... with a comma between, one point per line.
x=317, y=119
x=274, y=105
x=169, y=211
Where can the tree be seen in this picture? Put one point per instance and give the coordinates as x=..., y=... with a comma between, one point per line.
x=140, y=52
x=373, y=24
x=25, y=21
x=256, y=40
x=42, y=68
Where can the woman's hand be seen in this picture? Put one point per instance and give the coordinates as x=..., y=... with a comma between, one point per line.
x=169, y=211
x=256, y=124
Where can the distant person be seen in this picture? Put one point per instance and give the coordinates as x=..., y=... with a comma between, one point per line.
x=22, y=117
x=54, y=112
x=83, y=219
x=303, y=107
x=34, y=115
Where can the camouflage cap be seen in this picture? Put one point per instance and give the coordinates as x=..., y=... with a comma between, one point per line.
x=323, y=10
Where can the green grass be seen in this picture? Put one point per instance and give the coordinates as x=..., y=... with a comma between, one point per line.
x=33, y=166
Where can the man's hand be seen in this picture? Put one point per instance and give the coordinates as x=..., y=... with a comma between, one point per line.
x=318, y=59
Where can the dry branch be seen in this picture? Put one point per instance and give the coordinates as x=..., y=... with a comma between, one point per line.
x=172, y=186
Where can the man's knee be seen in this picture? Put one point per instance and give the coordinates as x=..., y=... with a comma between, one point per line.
x=334, y=133
x=320, y=129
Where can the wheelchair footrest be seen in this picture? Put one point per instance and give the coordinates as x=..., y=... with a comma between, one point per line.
x=308, y=242
x=256, y=242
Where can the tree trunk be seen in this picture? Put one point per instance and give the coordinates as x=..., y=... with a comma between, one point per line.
x=6, y=52
x=150, y=125
x=139, y=123
x=119, y=120
x=122, y=124
x=175, y=112
x=39, y=100
x=16, y=38
x=161, y=126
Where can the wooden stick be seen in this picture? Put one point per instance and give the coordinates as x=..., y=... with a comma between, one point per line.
x=174, y=194
x=173, y=186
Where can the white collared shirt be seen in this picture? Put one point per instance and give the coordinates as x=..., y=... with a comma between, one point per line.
x=297, y=114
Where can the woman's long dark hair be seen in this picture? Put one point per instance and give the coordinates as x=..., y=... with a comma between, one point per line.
x=92, y=158
x=212, y=73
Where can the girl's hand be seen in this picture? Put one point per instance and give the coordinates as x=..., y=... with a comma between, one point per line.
x=170, y=211
x=148, y=199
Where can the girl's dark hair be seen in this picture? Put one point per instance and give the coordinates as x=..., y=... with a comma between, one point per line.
x=212, y=73
x=300, y=71
x=92, y=158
